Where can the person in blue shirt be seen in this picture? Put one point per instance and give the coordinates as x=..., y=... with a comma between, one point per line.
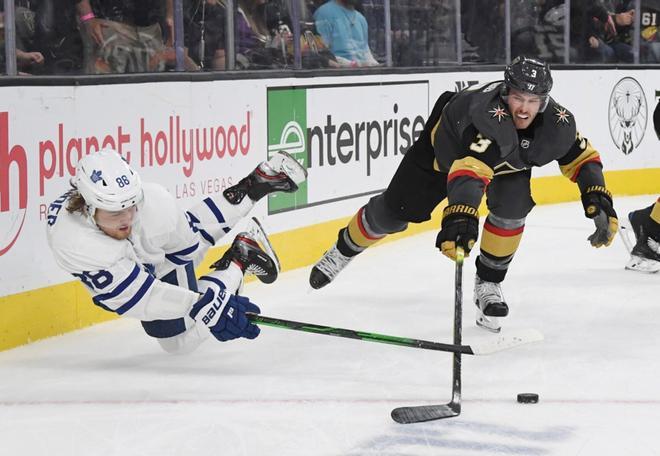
x=345, y=31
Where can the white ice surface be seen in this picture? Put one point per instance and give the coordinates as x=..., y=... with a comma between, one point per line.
x=109, y=390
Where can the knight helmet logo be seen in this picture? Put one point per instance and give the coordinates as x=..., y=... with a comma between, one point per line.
x=628, y=113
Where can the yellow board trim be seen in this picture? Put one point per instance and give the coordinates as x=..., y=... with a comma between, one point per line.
x=37, y=314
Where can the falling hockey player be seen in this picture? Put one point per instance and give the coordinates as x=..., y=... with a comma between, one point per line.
x=481, y=140
x=135, y=250
x=645, y=225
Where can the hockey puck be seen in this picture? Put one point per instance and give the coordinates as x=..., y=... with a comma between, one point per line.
x=528, y=398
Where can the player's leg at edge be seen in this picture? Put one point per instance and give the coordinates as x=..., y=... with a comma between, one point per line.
x=280, y=173
x=637, y=234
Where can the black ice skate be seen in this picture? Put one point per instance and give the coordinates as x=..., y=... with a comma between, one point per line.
x=490, y=304
x=281, y=173
x=645, y=255
x=253, y=253
x=644, y=250
x=327, y=268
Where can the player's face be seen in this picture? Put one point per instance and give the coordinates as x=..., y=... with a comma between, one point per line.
x=116, y=224
x=524, y=107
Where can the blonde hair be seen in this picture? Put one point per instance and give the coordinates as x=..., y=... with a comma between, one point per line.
x=76, y=203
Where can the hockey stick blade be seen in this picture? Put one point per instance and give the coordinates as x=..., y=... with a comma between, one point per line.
x=507, y=340
x=422, y=413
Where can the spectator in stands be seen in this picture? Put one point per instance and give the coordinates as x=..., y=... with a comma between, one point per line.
x=26, y=60
x=253, y=40
x=624, y=23
x=594, y=34
x=124, y=36
x=345, y=31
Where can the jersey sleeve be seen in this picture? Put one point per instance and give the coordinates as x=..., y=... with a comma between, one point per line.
x=582, y=164
x=473, y=170
x=214, y=217
x=188, y=234
x=130, y=289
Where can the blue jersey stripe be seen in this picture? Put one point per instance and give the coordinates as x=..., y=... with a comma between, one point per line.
x=176, y=260
x=215, y=209
x=186, y=251
x=190, y=275
x=207, y=236
x=119, y=288
x=218, y=282
x=137, y=296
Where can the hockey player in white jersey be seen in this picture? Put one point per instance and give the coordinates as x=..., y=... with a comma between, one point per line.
x=135, y=250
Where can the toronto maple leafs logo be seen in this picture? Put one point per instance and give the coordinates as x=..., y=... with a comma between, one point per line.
x=498, y=112
x=562, y=115
x=96, y=176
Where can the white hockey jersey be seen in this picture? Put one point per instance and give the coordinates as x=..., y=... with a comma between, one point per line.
x=123, y=275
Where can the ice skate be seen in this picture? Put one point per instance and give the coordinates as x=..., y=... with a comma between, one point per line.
x=281, y=173
x=253, y=253
x=327, y=268
x=644, y=250
x=645, y=256
x=490, y=304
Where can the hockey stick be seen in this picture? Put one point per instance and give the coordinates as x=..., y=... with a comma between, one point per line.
x=502, y=342
x=418, y=414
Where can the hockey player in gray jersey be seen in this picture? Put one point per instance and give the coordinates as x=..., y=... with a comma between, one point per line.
x=641, y=232
x=480, y=141
x=135, y=250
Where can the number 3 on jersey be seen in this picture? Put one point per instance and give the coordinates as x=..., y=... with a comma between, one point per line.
x=480, y=145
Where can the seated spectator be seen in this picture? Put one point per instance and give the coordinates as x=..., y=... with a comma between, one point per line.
x=253, y=42
x=204, y=32
x=26, y=60
x=598, y=36
x=621, y=40
x=650, y=38
x=345, y=31
x=57, y=36
x=124, y=36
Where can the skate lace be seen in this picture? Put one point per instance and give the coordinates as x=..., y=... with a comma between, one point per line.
x=488, y=292
x=654, y=245
x=333, y=262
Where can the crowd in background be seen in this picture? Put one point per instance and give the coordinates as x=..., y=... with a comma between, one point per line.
x=128, y=36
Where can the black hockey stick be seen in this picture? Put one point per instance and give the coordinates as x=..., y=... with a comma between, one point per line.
x=418, y=414
x=502, y=342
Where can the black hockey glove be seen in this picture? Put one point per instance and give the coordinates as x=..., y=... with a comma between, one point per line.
x=597, y=203
x=460, y=227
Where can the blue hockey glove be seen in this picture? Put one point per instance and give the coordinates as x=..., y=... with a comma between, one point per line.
x=224, y=314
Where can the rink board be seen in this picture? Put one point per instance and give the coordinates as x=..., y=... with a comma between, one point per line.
x=198, y=138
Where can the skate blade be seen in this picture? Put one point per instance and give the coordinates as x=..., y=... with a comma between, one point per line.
x=643, y=265
x=259, y=234
x=488, y=324
x=292, y=168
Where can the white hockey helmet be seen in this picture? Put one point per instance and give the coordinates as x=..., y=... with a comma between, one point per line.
x=106, y=181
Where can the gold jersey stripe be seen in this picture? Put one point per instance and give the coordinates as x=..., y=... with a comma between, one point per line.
x=571, y=170
x=435, y=128
x=655, y=212
x=473, y=166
